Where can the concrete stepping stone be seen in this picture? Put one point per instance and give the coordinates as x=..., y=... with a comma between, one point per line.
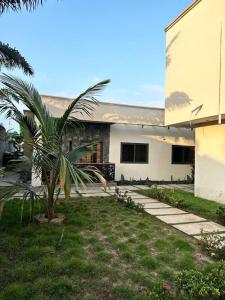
x=110, y=193
x=180, y=219
x=89, y=191
x=131, y=193
x=165, y=187
x=165, y=211
x=195, y=228
x=73, y=195
x=137, y=196
x=125, y=187
x=145, y=201
x=95, y=195
x=156, y=205
x=142, y=187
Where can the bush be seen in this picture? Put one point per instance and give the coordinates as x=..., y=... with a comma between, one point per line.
x=167, y=196
x=213, y=244
x=127, y=201
x=207, y=284
x=131, y=204
x=221, y=214
x=160, y=291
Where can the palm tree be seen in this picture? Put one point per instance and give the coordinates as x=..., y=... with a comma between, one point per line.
x=11, y=58
x=18, y=4
x=56, y=168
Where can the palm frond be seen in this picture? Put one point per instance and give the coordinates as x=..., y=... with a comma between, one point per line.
x=77, y=153
x=29, y=96
x=9, y=191
x=10, y=108
x=11, y=58
x=83, y=103
x=17, y=5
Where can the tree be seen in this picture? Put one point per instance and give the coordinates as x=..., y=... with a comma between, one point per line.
x=11, y=58
x=16, y=5
x=10, y=134
x=56, y=168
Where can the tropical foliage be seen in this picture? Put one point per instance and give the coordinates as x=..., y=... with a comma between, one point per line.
x=18, y=137
x=51, y=164
x=11, y=58
x=18, y=4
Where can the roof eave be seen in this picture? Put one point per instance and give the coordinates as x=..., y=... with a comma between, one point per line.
x=186, y=11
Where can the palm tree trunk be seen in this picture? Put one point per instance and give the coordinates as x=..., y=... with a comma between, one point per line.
x=51, y=193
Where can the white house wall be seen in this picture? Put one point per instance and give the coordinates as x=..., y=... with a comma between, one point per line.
x=160, y=140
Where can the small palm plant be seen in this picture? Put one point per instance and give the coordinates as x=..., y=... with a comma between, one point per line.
x=55, y=168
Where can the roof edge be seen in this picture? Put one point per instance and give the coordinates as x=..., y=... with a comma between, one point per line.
x=110, y=103
x=190, y=7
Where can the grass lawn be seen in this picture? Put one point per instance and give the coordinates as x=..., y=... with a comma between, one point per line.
x=104, y=251
x=202, y=207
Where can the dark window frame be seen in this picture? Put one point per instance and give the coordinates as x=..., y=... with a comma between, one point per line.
x=134, y=162
x=182, y=163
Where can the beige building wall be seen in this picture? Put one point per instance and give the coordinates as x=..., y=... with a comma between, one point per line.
x=160, y=140
x=195, y=71
x=210, y=162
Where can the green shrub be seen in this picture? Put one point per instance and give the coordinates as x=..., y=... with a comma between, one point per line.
x=207, y=284
x=160, y=291
x=221, y=214
x=213, y=244
x=127, y=201
x=131, y=204
x=167, y=196
x=179, y=203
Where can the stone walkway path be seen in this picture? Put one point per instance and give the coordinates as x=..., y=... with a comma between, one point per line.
x=186, y=222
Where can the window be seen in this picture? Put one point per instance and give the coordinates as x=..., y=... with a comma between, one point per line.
x=70, y=145
x=95, y=156
x=134, y=153
x=182, y=155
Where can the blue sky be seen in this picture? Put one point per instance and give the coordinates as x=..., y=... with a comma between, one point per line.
x=71, y=44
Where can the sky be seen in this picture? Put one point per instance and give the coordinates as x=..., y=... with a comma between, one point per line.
x=73, y=44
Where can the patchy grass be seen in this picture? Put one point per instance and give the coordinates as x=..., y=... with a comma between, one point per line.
x=106, y=251
x=199, y=206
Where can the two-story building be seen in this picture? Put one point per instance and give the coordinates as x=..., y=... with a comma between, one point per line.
x=195, y=89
